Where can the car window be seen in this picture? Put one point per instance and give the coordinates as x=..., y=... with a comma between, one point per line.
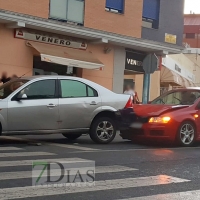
x=187, y=97
x=44, y=89
x=75, y=89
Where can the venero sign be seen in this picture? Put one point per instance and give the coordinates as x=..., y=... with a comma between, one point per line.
x=134, y=61
x=49, y=39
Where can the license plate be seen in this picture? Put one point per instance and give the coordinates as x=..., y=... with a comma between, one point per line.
x=136, y=125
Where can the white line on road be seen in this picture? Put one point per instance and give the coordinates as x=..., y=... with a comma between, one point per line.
x=73, y=171
x=194, y=195
x=10, y=148
x=71, y=146
x=136, y=149
x=24, y=154
x=29, y=162
x=26, y=192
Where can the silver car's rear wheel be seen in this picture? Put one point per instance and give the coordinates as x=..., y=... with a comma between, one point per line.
x=103, y=130
x=186, y=134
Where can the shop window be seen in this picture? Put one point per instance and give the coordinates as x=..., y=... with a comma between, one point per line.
x=41, y=90
x=74, y=89
x=67, y=10
x=151, y=11
x=115, y=6
x=190, y=35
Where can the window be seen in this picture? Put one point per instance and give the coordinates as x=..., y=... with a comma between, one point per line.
x=115, y=5
x=178, y=98
x=67, y=10
x=40, y=90
x=151, y=11
x=190, y=35
x=73, y=89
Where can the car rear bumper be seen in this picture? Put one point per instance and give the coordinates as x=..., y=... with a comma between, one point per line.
x=124, y=118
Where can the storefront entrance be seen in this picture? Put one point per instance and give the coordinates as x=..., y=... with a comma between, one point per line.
x=133, y=68
x=45, y=68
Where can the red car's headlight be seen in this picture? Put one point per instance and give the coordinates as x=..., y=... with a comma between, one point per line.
x=162, y=120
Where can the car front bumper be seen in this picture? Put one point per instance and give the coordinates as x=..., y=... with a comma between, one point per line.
x=150, y=132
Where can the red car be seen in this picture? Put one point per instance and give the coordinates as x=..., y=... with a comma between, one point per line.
x=174, y=116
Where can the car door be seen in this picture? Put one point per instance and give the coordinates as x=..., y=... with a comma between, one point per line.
x=37, y=110
x=78, y=104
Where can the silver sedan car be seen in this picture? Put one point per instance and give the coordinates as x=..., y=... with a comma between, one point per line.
x=61, y=104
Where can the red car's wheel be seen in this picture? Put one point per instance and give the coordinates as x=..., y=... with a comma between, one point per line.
x=186, y=135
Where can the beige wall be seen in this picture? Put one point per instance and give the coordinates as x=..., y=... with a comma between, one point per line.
x=129, y=77
x=139, y=85
x=196, y=66
x=154, y=85
x=39, y=8
x=183, y=60
x=129, y=23
x=103, y=77
x=15, y=56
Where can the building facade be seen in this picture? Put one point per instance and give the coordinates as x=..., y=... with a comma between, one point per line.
x=191, y=36
x=104, y=41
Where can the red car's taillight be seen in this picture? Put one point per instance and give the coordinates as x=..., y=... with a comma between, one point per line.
x=129, y=103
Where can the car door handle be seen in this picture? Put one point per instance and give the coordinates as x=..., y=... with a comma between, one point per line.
x=93, y=103
x=51, y=105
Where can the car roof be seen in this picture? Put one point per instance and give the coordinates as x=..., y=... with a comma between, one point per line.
x=50, y=76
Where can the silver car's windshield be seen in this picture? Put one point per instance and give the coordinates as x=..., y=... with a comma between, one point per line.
x=186, y=97
x=9, y=87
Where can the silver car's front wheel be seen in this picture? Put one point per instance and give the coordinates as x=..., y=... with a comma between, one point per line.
x=187, y=134
x=103, y=130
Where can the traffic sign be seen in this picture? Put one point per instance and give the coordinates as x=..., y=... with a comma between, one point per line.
x=150, y=63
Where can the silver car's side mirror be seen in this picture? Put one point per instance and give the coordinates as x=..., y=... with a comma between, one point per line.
x=22, y=96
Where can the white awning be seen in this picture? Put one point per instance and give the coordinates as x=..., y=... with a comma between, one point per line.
x=168, y=76
x=173, y=78
x=66, y=56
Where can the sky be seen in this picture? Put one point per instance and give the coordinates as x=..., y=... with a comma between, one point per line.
x=192, y=5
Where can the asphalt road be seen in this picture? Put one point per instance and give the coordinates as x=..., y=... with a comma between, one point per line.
x=124, y=170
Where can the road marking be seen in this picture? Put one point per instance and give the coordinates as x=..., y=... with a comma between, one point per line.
x=137, y=149
x=194, y=195
x=73, y=171
x=29, y=191
x=115, y=150
x=24, y=154
x=72, y=147
x=10, y=149
x=29, y=162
